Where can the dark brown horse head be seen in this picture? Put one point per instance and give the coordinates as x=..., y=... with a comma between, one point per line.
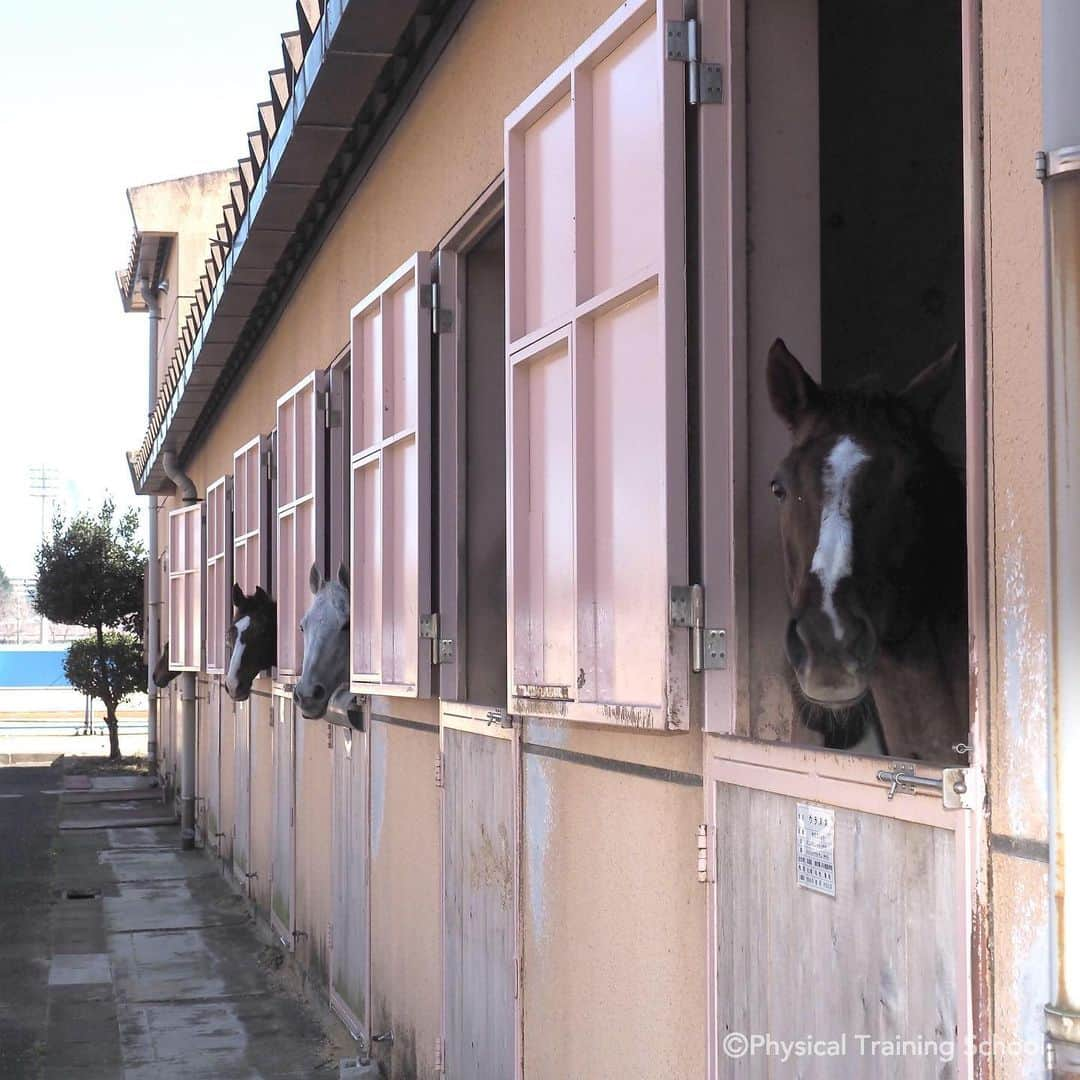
x=251, y=641
x=871, y=522
x=162, y=675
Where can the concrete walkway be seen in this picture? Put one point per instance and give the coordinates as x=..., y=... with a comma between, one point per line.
x=155, y=968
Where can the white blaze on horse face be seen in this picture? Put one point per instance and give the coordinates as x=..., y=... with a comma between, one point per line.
x=233, y=674
x=832, y=559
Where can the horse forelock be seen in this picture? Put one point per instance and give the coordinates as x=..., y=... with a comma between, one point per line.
x=334, y=594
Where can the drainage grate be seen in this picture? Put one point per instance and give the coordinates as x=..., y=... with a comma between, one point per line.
x=82, y=894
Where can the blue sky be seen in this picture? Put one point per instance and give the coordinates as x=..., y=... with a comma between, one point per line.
x=99, y=97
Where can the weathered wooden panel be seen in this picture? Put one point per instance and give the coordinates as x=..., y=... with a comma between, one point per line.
x=212, y=764
x=350, y=940
x=282, y=871
x=478, y=905
x=242, y=764
x=875, y=962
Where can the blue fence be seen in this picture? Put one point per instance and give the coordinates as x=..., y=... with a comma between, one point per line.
x=32, y=667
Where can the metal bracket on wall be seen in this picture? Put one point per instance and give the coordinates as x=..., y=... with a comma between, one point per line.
x=682, y=43
x=442, y=319
x=443, y=650
x=708, y=645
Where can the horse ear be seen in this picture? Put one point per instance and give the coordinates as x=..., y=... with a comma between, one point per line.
x=343, y=576
x=238, y=597
x=925, y=392
x=315, y=579
x=792, y=392
x=260, y=595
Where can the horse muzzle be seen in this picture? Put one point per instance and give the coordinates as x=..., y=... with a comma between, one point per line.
x=833, y=674
x=313, y=702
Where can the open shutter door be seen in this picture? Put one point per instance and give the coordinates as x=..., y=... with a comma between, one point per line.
x=185, y=588
x=391, y=485
x=219, y=557
x=301, y=475
x=596, y=326
x=251, y=517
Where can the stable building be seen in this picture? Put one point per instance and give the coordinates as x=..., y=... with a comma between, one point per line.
x=483, y=317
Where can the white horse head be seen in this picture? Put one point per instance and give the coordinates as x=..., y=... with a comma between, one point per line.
x=326, y=643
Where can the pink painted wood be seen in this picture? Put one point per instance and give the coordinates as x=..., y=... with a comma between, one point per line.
x=218, y=572
x=251, y=520
x=391, y=485
x=597, y=386
x=185, y=588
x=301, y=465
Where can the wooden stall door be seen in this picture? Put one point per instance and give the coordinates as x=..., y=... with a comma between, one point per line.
x=210, y=756
x=283, y=855
x=597, y=403
x=350, y=926
x=835, y=912
x=241, y=845
x=480, y=813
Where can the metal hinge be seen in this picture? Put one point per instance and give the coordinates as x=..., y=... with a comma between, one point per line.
x=961, y=789
x=443, y=650
x=703, y=854
x=708, y=645
x=327, y=411
x=439, y=1054
x=439, y=769
x=683, y=43
x=268, y=466
x=292, y=818
x=442, y=319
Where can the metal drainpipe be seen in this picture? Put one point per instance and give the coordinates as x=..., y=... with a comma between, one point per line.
x=1059, y=168
x=185, y=487
x=153, y=584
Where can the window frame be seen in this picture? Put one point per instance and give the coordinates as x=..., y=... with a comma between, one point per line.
x=451, y=257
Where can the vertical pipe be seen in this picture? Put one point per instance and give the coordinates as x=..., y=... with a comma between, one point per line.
x=153, y=591
x=1059, y=166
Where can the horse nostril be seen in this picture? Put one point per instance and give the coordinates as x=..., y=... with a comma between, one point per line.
x=318, y=691
x=795, y=645
x=862, y=639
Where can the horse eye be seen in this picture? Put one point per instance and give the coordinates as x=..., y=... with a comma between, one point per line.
x=778, y=490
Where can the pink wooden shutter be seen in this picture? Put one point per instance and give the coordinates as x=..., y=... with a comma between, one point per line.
x=251, y=531
x=185, y=588
x=391, y=485
x=301, y=465
x=218, y=572
x=596, y=326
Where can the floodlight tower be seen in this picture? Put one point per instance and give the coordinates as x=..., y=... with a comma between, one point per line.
x=43, y=486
